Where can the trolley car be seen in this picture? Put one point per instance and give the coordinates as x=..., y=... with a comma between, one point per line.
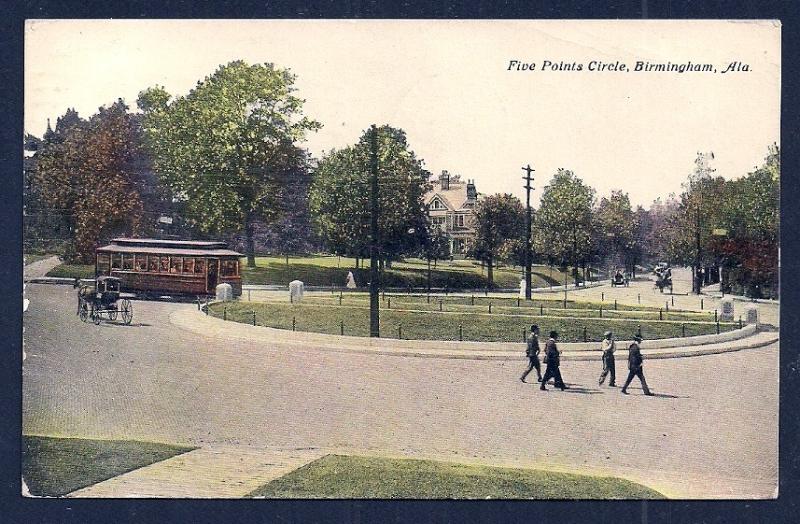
x=150, y=267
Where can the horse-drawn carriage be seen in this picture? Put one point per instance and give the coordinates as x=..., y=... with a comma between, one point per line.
x=663, y=275
x=619, y=279
x=102, y=300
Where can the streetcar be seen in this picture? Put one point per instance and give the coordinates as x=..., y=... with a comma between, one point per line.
x=150, y=267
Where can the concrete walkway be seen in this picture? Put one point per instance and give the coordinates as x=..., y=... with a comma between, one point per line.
x=215, y=471
x=40, y=267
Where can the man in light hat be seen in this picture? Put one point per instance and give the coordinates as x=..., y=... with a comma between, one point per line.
x=609, y=366
x=635, y=366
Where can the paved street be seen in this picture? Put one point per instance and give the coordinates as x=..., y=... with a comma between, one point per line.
x=711, y=431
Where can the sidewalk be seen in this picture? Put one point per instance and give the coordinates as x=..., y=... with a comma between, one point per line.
x=40, y=268
x=215, y=471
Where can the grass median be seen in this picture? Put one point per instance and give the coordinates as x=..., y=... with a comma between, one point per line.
x=53, y=467
x=449, y=325
x=336, y=476
x=72, y=271
x=332, y=271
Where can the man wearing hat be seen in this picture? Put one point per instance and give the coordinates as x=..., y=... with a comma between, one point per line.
x=533, y=354
x=609, y=366
x=553, y=361
x=635, y=366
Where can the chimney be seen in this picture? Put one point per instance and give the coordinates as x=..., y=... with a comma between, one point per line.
x=444, y=180
x=472, y=194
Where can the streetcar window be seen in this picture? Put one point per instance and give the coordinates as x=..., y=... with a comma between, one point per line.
x=102, y=263
x=200, y=265
x=188, y=265
x=116, y=260
x=228, y=268
x=152, y=264
x=141, y=262
x=127, y=262
x=175, y=265
x=165, y=264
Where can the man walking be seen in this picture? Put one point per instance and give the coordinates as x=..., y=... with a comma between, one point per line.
x=635, y=366
x=553, y=361
x=533, y=354
x=609, y=366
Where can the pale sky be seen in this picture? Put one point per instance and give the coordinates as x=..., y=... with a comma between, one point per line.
x=447, y=84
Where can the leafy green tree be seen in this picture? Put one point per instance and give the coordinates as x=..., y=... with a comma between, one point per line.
x=498, y=219
x=565, y=220
x=750, y=217
x=437, y=246
x=340, y=197
x=222, y=146
x=615, y=226
x=84, y=172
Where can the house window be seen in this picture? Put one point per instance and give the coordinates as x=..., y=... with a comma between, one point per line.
x=460, y=220
x=437, y=204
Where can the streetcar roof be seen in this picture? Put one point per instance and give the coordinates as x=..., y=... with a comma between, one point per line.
x=152, y=250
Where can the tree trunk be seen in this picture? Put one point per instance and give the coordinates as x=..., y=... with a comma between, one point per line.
x=287, y=259
x=489, y=272
x=250, y=246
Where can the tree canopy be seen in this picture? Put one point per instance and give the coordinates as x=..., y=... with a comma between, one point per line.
x=340, y=197
x=564, y=219
x=222, y=147
x=499, y=222
x=84, y=174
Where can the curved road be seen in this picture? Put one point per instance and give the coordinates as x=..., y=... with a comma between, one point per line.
x=711, y=431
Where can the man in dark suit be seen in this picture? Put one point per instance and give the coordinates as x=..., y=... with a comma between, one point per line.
x=635, y=361
x=553, y=361
x=533, y=354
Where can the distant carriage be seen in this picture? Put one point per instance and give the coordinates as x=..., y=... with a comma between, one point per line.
x=150, y=267
x=101, y=299
x=663, y=275
x=619, y=279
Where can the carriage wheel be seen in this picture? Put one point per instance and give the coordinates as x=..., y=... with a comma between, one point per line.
x=83, y=311
x=94, y=314
x=127, y=311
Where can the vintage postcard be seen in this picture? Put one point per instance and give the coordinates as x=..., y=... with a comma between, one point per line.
x=450, y=259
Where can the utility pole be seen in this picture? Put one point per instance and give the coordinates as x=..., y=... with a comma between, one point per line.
x=374, y=318
x=528, y=252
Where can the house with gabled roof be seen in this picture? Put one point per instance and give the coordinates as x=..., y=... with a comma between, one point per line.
x=451, y=208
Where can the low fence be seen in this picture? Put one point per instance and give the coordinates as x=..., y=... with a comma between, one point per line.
x=499, y=331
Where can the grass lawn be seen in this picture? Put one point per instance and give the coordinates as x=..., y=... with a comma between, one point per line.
x=332, y=270
x=72, y=271
x=56, y=466
x=335, y=476
x=469, y=323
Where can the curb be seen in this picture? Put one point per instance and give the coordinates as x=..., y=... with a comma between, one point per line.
x=189, y=319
